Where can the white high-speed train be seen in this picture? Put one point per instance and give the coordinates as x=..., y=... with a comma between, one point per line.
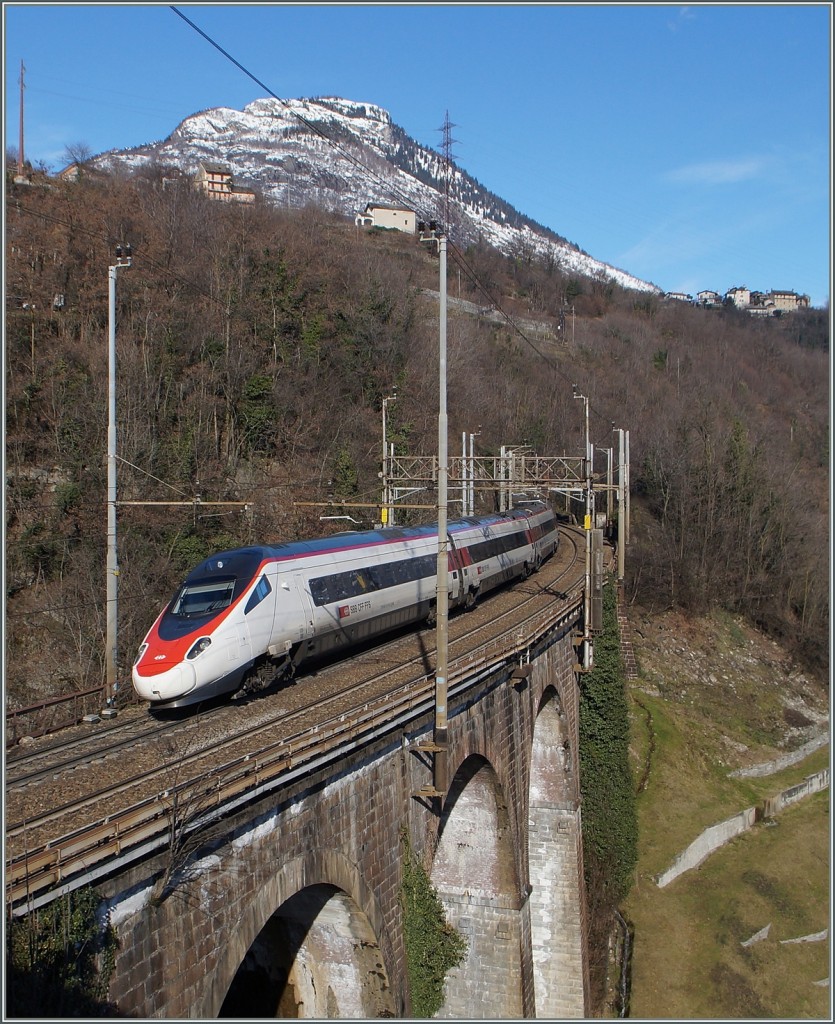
x=241, y=609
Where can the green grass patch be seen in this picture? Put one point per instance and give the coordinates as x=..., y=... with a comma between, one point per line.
x=685, y=790
x=713, y=699
x=688, y=960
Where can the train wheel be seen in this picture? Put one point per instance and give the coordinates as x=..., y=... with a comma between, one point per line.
x=470, y=600
x=432, y=615
x=258, y=678
x=267, y=673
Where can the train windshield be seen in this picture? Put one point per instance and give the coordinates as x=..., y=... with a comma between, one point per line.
x=203, y=597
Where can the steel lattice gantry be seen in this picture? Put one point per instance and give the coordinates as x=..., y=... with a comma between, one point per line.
x=510, y=473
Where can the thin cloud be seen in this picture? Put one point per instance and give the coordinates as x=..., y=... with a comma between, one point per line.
x=718, y=172
x=684, y=14
x=698, y=252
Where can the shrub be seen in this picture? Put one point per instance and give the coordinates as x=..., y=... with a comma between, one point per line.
x=433, y=946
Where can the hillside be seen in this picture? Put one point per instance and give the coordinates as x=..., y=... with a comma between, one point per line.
x=255, y=346
x=715, y=696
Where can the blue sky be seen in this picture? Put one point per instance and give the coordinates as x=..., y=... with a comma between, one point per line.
x=687, y=145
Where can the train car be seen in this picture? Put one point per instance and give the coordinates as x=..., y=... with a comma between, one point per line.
x=275, y=607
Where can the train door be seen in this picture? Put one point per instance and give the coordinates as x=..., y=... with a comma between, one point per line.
x=259, y=612
x=293, y=612
x=457, y=571
x=306, y=614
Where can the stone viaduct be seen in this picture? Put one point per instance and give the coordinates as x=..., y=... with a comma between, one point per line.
x=293, y=907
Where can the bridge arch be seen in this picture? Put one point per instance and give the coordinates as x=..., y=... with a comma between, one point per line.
x=307, y=946
x=474, y=873
x=554, y=860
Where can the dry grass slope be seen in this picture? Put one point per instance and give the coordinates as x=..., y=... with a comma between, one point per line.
x=713, y=696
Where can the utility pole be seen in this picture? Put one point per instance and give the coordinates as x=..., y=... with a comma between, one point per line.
x=20, y=137
x=442, y=604
x=512, y=462
x=588, y=526
x=123, y=261
x=439, y=746
x=626, y=482
x=472, y=473
x=387, y=513
x=465, y=476
x=621, y=506
x=609, y=484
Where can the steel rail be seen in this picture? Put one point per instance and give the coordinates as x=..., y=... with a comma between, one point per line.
x=15, y=782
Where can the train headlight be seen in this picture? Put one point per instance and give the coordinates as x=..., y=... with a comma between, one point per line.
x=202, y=644
x=142, y=649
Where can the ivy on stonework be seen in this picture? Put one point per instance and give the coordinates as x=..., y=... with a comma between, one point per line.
x=433, y=946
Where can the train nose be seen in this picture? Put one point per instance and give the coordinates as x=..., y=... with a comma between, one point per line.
x=171, y=684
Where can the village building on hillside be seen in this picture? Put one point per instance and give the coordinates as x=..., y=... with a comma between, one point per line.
x=215, y=181
x=740, y=297
x=788, y=301
x=773, y=303
x=383, y=215
x=75, y=171
x=72, y=172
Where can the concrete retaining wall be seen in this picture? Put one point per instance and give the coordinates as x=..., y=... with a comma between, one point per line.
x=711, y=839
x=784, y=761
x=716, y=836
x=811, y=784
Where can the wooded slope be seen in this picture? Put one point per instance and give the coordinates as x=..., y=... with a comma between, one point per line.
x=255, y=347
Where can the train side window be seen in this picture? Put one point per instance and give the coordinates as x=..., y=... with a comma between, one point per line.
x=364, y=580
x=317, y=591
x=345, y=585
x=257, y=596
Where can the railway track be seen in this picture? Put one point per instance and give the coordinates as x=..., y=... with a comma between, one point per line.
x=50, y=762
x=64, y=821
x=77, y=752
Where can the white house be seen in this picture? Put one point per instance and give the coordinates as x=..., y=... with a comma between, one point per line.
x=741, y=297
x=383, y=215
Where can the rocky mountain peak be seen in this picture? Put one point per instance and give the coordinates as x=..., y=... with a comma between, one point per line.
x=341, y=154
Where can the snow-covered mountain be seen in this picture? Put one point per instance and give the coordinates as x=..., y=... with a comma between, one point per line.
x=340, y=155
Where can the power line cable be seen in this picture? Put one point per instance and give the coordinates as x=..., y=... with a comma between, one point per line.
x=385, y=184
